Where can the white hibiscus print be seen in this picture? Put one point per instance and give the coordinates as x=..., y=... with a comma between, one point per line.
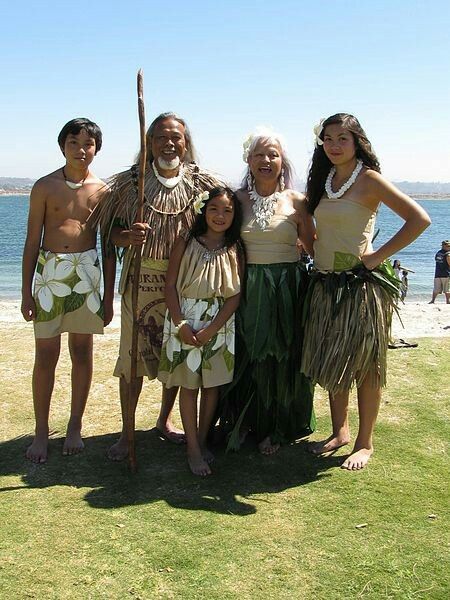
x=47, y=285
x=89, y=284
x=171, y=339
x=194, y=358
x=78, y=261
x=226, y=336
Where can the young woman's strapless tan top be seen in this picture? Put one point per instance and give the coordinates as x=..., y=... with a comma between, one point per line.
x=344, y=233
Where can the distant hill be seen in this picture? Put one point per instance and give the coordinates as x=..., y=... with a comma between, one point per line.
x=424, y=187
x=23, y=185
x=15, y=185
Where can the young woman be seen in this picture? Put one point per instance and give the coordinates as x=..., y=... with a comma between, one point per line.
x=352, y=290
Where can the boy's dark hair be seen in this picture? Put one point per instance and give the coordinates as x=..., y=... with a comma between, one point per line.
x=233, y=233
x=320, y=164
x=74, y=127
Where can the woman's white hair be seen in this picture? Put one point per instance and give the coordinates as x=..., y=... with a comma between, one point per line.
x=266, y=134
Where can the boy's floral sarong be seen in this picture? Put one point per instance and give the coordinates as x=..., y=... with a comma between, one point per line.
x=67, y=293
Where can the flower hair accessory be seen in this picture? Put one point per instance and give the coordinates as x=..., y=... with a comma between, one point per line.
x=246, y=147
x=317, y=132
x=199, y=202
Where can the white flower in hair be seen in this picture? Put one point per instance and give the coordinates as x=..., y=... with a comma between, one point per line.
x=246, y=147
x=264, y=132
x=199, y=202
x=317, y=131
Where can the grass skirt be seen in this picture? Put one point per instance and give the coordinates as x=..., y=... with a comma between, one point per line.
x=268, y=393
x=348, y=319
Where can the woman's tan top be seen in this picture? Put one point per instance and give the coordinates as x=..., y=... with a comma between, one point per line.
x=208, y=273
x=277, y=243
x=344, y=233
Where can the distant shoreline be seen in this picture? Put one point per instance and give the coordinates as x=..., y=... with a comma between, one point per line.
x=417, y=196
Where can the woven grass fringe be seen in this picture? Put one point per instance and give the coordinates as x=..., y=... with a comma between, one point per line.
x=167, y=211
x=348, y=318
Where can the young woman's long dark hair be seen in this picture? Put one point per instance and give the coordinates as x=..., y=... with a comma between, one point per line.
x=320, y=164
x=233, y=233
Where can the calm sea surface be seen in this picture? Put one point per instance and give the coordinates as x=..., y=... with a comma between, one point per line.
x=419, y=256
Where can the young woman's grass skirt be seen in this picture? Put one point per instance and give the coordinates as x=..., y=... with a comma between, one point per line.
x=269, y=395
x=347, y=323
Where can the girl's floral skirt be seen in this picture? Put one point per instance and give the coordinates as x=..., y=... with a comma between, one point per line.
x=210, y=365
x=269, y=395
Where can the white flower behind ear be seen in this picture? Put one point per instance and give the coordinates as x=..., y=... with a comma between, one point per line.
x=246, y=147
x=317, y=131
x=89, y=284
x=199, y=202
x=47, y=285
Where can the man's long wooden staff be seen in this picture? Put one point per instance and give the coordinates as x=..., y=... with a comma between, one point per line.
x=133, y=390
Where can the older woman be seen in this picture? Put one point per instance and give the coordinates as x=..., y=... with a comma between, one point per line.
x=269, y=395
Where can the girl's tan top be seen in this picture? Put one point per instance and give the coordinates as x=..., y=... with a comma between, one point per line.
x=208, y=273
x=344, y=233
x=277, y=243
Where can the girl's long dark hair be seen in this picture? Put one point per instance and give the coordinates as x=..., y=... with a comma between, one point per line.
x=233, y=233
x=320, y=164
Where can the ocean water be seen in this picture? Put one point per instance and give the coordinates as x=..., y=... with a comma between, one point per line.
x=419, y=256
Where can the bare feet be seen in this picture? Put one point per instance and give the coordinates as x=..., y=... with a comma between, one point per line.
x=331, y=444
x=267, y=448
x=170, y=432
x=207, y=455
x=37, y=452
x=73, y=443
x=358, y=459
x=198, y=465
x=119, y=450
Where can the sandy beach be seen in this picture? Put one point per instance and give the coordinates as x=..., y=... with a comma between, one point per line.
x=419, y=319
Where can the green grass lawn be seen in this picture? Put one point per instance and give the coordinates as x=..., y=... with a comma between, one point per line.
x=287, y=526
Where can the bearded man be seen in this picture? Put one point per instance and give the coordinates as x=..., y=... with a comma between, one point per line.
x=172, y=183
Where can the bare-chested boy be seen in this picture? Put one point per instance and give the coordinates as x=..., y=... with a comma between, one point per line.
x=60, y=253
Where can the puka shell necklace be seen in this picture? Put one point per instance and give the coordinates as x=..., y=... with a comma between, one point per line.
x=263, y=207
x=345, y=186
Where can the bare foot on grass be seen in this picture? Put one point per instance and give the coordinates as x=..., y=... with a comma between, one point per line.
x=170, y=432
x=198, y=465
x=37, y=451
x=119, y=450
x=358, y=459
x=267, y=448
x=73, y=444
x=207, y=455
x=331, y=444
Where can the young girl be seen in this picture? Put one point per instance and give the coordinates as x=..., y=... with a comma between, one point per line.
x=352, y=290
x=202, y=294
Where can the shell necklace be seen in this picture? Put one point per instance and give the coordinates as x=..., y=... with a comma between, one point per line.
x=345, y=186
x=72, y=184
x=170, y=182
x=263, y=207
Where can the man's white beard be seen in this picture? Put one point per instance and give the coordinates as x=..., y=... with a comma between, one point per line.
x=168, y=165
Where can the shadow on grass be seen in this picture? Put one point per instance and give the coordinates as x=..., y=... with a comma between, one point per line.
x=163, y=474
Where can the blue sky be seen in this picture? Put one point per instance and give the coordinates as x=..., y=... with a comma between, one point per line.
x=227, y=67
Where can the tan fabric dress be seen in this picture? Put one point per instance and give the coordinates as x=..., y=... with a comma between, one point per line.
x=205, y=280
x=344, y=233
x=349, y=312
